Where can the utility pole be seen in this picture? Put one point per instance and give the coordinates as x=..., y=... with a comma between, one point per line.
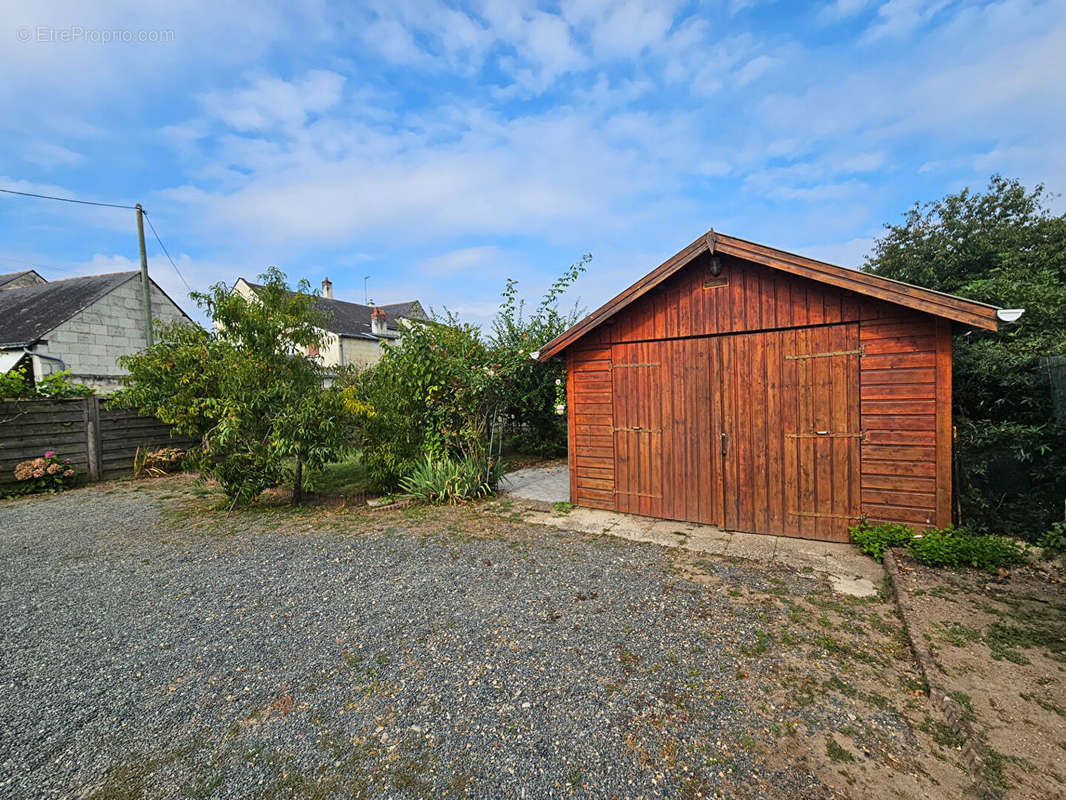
x=146, y=288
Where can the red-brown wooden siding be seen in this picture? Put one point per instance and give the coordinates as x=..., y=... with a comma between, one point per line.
x=905, y=381
x=591, y=427
x=812, y=442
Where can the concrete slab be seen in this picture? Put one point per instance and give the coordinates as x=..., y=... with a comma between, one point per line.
x=549, y=483
x=641, y=529
x=849, y=571
x=753, y=546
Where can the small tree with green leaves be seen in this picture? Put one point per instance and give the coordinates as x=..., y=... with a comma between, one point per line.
x=530, y=390
x=249, y=389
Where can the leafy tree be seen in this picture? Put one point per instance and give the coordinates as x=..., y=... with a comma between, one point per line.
x=425, y=409
x=432, y=396
x=530, y=390
x=1001, y=246
x=249, y=389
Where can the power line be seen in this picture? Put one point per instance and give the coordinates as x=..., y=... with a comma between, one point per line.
x=165, y=251
x=67, y=199
x=37, y=264
x=108, y=205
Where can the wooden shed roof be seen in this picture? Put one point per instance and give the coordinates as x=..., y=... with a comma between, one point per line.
x=957, y=309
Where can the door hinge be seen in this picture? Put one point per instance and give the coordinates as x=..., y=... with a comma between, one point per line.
x=860, y=351
x=824, y=516
x=638, y=429
x=826, y=435
x=648, y=364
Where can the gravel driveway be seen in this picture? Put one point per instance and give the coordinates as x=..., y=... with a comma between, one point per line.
x=150, y=653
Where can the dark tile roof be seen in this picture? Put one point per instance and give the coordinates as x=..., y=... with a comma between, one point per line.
x=27, y=314
x=353, y=319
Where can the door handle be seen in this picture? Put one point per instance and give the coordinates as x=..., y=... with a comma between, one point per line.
x=725, y=443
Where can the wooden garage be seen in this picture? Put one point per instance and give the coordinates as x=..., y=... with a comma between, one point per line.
x=758, y=390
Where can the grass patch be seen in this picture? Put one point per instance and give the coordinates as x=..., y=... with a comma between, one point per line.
x=1006, y=640
x=957, y=634
x=942, y=733
x=836, y=751
x=346, y=479
x=759, y=646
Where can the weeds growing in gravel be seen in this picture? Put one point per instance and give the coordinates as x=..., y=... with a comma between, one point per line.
x=836, y=751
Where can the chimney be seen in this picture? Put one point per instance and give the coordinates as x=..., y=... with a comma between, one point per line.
x=327, y=288
x=377, y=321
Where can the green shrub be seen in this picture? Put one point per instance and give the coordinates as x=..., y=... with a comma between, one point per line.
x=531, y=392
x=949, y=548
x=874, y=540
x=429, y=398
x=16, y=384
x=1054, y=540
x=941, y=548
x=444, y=480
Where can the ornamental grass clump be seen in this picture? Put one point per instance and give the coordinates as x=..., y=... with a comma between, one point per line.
x=49, y=473
x=446, y=480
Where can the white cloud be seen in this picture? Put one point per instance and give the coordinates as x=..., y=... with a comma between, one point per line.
x=897, y=18
x=47, y=154
x=755, y=69
x=465, y=260
x=271, y=101
x=840, y=10
x=851, y=253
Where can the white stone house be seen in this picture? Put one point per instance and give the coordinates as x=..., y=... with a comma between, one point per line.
x=355, y=333
x=79, y=324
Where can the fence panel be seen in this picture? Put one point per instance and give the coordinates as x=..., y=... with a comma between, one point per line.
x=122, y=432
x=99, y=442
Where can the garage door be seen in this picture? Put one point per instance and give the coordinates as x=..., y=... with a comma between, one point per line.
x=752, y=432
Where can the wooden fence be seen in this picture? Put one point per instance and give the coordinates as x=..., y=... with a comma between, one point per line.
x=99, y=442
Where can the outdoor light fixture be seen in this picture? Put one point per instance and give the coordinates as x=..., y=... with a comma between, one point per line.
x=1009, y=314
x=716, y=266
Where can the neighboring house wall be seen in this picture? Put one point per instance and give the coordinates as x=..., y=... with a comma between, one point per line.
x=338, y=350
x=360, y=352
x=91, y=341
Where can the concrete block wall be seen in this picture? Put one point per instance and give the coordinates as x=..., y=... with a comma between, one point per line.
x=91, y=341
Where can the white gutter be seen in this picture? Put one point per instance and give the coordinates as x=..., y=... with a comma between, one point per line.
x=1009, y=314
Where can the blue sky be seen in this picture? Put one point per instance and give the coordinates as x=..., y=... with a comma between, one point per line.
x=441, y=148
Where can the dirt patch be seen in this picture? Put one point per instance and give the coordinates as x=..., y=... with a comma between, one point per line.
x=1000, y=648
x=847, y=702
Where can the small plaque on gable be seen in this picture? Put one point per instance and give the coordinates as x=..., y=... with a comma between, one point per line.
x=713, y=282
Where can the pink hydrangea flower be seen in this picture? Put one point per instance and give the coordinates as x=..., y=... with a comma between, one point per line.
x=49, y=454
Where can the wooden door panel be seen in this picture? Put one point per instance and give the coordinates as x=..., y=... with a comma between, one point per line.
x=637, y=374
x=824, y=441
